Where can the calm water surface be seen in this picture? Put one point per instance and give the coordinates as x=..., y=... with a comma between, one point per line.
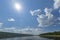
x=27, y=38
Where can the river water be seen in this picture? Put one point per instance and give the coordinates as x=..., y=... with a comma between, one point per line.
x=27, y=38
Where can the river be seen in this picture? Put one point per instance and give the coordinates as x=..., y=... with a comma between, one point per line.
x=27, y=38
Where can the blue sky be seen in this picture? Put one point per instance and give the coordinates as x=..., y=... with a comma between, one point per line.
x=35, y=17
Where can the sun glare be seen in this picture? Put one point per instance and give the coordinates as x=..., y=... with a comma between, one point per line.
x=18, y=6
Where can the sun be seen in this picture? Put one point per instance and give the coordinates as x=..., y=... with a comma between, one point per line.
x=17, y=6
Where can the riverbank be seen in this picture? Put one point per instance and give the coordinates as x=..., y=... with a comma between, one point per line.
x=51, y=36
x=11, y=35
x=55, y=35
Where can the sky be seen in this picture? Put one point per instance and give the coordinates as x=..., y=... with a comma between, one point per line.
x=29, y=16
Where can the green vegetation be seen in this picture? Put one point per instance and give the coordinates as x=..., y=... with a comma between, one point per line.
x=9, y=35
x=51, y=35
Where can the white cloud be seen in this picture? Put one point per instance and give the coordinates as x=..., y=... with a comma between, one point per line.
x=1, y=30
x=34, y=31
x=48, y=10
x=35, y=12
x=46, y=19
x=11, y=19
x=1, y=25
x=56, y=4
x=59, y=23
x=10, y=28
x=59, y=18
x=48, y=13
x=28, y=30
x=59, y=11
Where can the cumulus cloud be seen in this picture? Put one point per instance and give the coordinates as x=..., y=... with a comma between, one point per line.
x=45, y=19
x=28, y=30
x=34, y=31
x=59, y=11
x=48, y=10
x=59, y=23
x=10, y=29
x=59, y=18
x=35, y=12
x=11, y=19
x=56, y=4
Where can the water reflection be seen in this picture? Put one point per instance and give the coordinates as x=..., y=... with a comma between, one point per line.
x=27, y=38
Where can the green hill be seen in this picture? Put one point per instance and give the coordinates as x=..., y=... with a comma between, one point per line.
x=55, y=34
x=8, y=35
x=51, y=33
